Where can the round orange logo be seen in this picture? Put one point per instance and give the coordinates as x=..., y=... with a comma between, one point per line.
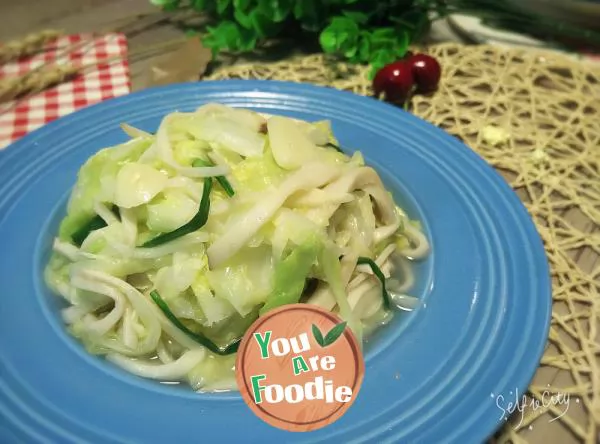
x=299, y=367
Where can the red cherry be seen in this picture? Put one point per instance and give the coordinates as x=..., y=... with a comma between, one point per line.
x=395, y=81
x=426, y=71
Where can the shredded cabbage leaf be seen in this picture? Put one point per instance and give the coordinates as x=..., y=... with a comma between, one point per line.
x=302, y=214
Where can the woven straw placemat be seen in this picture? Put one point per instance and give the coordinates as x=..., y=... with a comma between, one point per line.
x=535, y=117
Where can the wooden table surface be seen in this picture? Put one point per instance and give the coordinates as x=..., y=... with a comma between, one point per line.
x=24, y=16
x=74, y=16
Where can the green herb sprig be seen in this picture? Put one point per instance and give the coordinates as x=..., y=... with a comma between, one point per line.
x=360, y=31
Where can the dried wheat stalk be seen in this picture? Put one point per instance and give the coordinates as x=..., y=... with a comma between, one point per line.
x=14, y=89
x=35, y=81
x=45, y=76
x=27, y=46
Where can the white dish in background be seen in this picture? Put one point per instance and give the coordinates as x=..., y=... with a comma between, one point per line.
x=472, y=29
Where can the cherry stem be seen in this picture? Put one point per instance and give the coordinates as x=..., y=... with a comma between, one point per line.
x=406, y=103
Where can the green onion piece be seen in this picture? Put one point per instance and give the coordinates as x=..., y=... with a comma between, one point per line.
x=197, y=222
x=80, y=235
x=221, y=179
x=377, y=271
x=199, y=338
x=94, y=224
x=335, y=147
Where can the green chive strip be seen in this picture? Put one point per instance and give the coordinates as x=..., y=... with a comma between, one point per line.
x=197, y=222
x=377, y=272
x=199, y=338
x=94, y=224
x=335, y=147
x=80, y=235
x=221, y=179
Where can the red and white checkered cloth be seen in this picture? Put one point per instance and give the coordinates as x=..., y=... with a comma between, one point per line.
x=103, y=80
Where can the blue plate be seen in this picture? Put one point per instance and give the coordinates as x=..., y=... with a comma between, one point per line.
x=432, y=376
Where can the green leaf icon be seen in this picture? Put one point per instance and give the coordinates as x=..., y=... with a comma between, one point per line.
x=318, y=335
x=334, y=334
